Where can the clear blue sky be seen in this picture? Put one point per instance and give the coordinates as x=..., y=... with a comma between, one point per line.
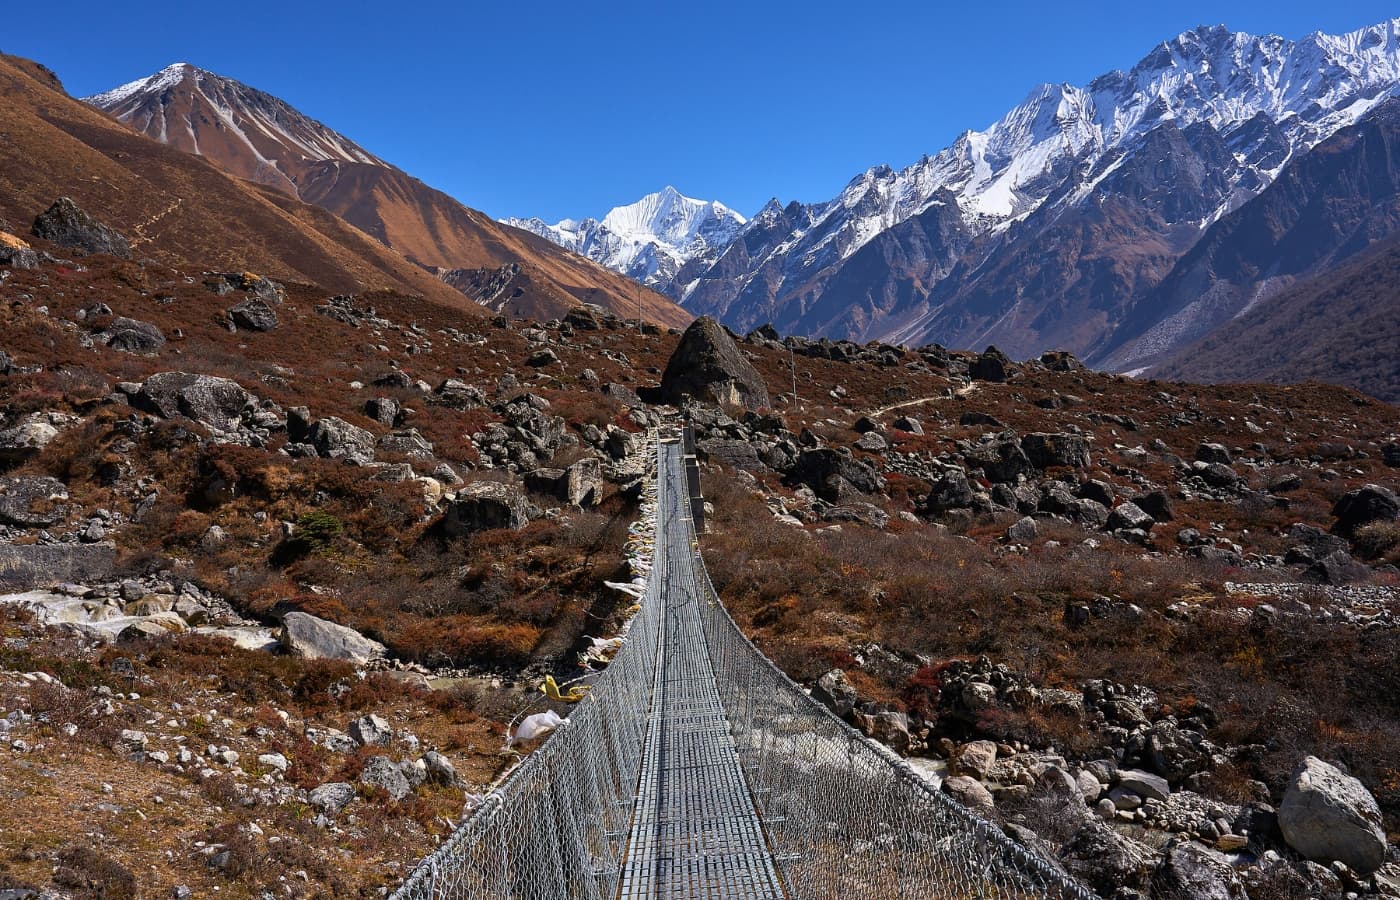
x=567, y=109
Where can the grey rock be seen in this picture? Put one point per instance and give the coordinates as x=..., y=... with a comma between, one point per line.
x=32, y=434
x=1329, y=816
x=1127, y=515
x=486, y=505
x=332, y=797
x=1056, y=450
x=132, y=335
x=381, y=772
x=951, y=491
x=1106, y=860
x=370, y=730
x=335, y=438
x=29, y=566
x=440, y=770
x=1001, y=458
x=309, y=637
x=384, y=410
x=836, y=693
x=977, y=758
x=1214, y=453
x=970, y=793
x=1024, y=531
x=1144, y=784
x=1191, y=872
x=709, y=366
x=253, y=314
x=991, y=365
x=214, y=402
x=32, y=501
x=67, y=225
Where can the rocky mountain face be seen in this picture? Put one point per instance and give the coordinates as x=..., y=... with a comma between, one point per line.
x=663, y=240
x=246, y=131
x=1324, y=208
x=1054, y=227
x=265, y=140
x=1339, y=327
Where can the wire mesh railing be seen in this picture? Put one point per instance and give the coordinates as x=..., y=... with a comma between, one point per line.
x=843, y=815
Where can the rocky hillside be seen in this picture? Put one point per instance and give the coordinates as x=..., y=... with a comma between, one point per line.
x=1340, y=327
x=258, y=137
x=1146, y=627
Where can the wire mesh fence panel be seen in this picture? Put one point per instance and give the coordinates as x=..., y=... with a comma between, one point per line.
x=696, y=768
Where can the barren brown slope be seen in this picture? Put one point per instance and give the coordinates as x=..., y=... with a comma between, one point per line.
x=256, y=136
x=1341, y=327
x=436, y=231
x=174, y=206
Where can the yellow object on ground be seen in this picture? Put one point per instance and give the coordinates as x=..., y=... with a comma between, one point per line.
x=572, y=695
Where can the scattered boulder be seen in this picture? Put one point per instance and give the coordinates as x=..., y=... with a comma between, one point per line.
x=253, y=314
x=67, y=225
x=951, y=491
x=1105, y=860
x=32, y=501
x=1144, y=784
x=970, y=793
x=1214, y=453
x=977, y=758
x=991, y=365
x=32, y=434
x=380, y=772
x=310, y=637
x=1191, y=872
x=1367, y=504
x=1128, y=515
x=1059, y=449
x=132, y=335
x=440, y=770
x=836, y=693
x=1001, y=458
x=217, y=403
x=709, y=366
x=1330, y=817
x=384, y=410
x=335, y=438
x=331, y=798
x=908, y=424
x=370, y=731
x=485, y=505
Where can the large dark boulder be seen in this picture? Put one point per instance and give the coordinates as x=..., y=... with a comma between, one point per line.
x=214, y=402
x=1001, y=458
x=132, y=335
x=1371, y=503
x=992, y=365
x=1106, y=860
x=253, y=314
x=32, y=501
x=949, y=492
x=68, y=226
x=820, y=468
x=1058, y=449
x=486, y=505
x=1190, y=872
x=335, y=438
x=709, y=366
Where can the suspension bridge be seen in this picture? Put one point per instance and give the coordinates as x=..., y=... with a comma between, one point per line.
x=696, y=769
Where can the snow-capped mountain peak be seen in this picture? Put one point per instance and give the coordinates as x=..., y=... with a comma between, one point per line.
x=211, y=115
x=650, y=240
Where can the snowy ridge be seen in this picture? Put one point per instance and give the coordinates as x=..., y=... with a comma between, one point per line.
x=267, y=126
x=650, y=240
